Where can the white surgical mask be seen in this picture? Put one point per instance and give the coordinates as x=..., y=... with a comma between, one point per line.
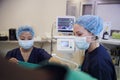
x=26, y=44
x=81, y=43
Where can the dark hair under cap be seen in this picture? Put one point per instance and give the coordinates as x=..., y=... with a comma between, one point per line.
x=25, y=28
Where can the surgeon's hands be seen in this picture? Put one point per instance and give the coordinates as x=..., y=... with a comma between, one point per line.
x=13, y=60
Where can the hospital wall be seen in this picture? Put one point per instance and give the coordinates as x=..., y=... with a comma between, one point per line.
x=40, y=14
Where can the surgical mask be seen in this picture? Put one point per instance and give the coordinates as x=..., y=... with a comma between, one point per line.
x=26, y=44
x=81, y=43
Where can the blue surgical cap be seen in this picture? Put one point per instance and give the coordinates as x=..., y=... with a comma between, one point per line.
x=91, y=23
x=25, y=28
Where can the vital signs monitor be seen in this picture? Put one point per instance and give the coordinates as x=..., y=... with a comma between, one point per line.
x=65, y=45
x=65, y=23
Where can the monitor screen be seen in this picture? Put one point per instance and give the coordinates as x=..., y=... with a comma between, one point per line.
x=65, y=23
x=65, y=45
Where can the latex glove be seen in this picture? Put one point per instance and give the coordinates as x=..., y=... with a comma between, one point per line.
x=13, y=60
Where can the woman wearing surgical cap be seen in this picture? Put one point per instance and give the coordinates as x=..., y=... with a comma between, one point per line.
x=97, y=61
x=27, y=52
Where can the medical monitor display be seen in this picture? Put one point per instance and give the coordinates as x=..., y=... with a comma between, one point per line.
x=65, y=23
x=65, y=45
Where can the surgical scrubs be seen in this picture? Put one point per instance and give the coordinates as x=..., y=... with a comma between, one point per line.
x=98, y=64
x=36, y=56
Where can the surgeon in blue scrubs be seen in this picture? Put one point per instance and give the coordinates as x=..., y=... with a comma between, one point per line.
x=97, y=61
x=26, y=51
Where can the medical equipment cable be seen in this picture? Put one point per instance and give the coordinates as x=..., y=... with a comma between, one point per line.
x=66, y=60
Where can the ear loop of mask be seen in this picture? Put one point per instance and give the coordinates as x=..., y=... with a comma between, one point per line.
x=94, y=39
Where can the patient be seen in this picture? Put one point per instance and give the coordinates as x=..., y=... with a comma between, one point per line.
x=26, y=51
x=51, y=71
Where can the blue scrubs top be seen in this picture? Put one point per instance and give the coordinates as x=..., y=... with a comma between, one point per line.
x=98, y=64
x=36, y=56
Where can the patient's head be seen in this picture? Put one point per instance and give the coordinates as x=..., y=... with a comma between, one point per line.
x=56, y=71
